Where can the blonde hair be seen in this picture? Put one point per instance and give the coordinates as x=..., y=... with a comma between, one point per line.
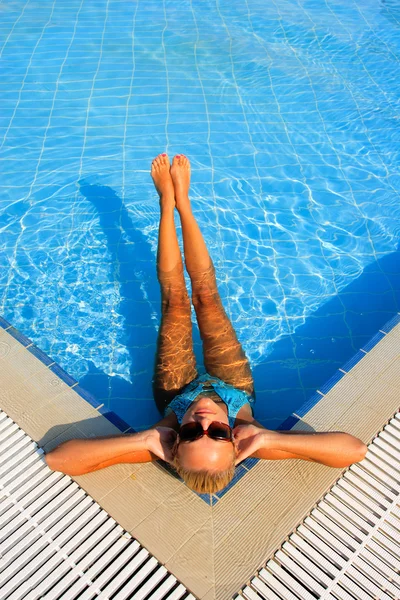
x=204, y=481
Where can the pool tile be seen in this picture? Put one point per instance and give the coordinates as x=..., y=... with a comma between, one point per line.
x=19, y=336
x=4, y=324
x=353, y=361
x=312, y=376
x=331, y=382
x=62, y=374
x=390, y=324
x=130, y=430
x=40, y=355
x=288, y=423
x=208, y=499
x=87, y=396
x=249, y=462
x=373, y=341
x=309, y=404
x=115, y=420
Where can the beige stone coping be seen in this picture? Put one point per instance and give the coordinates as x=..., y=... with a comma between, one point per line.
x=214, y=550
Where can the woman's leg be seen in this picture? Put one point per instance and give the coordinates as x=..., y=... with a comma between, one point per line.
x=224, y=356
x=175, y=364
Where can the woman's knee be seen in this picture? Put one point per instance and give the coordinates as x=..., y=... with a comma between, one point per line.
x=205, y=298
x=175, y=298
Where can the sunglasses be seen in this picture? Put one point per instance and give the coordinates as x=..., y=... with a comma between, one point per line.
x=216, y=430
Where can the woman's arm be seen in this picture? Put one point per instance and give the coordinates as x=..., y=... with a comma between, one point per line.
x=331, y=448
x=80, y=456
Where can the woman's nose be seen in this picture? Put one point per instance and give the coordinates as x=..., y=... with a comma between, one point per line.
x=203, y=420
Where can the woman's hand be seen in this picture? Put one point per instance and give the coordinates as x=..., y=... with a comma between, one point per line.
x=248, y=439
x=160, y=442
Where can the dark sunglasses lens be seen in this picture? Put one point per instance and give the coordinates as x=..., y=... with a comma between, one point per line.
x=220, y=431
x=190, y=431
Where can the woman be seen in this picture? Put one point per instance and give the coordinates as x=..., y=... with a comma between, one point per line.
x=208, y=426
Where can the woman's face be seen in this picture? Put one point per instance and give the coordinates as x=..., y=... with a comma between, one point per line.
x=206, y=452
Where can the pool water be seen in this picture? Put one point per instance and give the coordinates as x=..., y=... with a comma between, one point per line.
x=289, y=113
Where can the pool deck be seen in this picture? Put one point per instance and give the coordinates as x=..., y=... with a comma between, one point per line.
x=212, y=550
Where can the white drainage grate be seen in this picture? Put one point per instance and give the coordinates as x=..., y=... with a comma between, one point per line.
x=349, y=546
x=57, y=542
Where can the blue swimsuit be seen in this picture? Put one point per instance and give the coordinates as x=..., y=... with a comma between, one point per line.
x=231, y=396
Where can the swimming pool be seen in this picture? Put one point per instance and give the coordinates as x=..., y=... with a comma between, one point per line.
x=289, y=113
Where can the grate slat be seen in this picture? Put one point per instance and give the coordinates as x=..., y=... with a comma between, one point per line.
x=262, y=592
x=392, y=560
x=298, y=571
x=275, y=584
x=382, y=446
x=69, y=560
x=376, y=575
x=135, y=581
x=378, y=562
x=319, y=558
x=373, y=502
x=164, y=588
x=27, y=518
x=365, y=478
x=84, y=556
x=307, y=565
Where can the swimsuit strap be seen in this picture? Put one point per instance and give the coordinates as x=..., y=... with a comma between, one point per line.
x=231, y=396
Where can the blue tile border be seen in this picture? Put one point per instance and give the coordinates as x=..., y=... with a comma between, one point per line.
x=4, y=324
x=70, y=381
x=208, y=498
x=249, y=463
x=346, y=368
x=63, y=374
x=390, y=324
x=353, y=361
x=246, y=465
x=19, y=336
x=114, y=419
x=373, y=341
x=332, y=381
x=315, y=398
x=40, y=355
x=289, y=422
x=87, y=396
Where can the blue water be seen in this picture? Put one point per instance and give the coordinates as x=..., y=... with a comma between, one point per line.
x=289, y=113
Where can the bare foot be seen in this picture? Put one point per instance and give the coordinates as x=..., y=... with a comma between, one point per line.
x=180, y=173
x=160, y=172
